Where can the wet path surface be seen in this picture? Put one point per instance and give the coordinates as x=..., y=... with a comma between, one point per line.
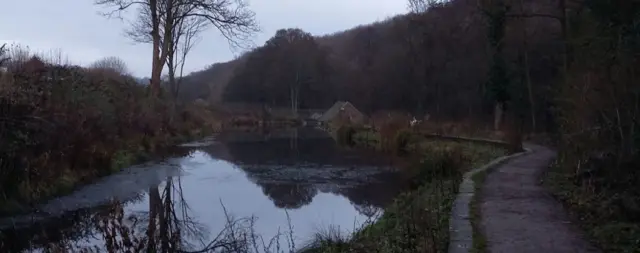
x=518, y=215
x=273, y=186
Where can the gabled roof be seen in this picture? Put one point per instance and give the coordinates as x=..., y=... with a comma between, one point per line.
x=335, y=110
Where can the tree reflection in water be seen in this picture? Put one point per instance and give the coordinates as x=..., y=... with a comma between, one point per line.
x=292, y=166
x=166, y=227
x=289, y=195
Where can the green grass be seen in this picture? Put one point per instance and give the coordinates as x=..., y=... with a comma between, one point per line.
x=477, y=154
x=479, y=240
x=418, y=220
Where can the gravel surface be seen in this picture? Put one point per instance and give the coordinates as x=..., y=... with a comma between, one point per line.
x=518, y=215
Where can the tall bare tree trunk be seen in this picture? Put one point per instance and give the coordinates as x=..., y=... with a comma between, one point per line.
x=498, y=113
x=514, y=132
x=172, y=73
x=438, y=101
x=564, y=23
x=156, y=64
x=532, y=104
x=160, y=50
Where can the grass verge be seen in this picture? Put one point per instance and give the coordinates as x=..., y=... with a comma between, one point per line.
x=598, y=213
x=418, y=219
x=479, y=240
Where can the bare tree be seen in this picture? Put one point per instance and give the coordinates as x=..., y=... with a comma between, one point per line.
x=3, y=55
x=111, y=63
x=420, y=6
x=17, y=55
x=55, y=57
x=184, y=39
x=158, y=20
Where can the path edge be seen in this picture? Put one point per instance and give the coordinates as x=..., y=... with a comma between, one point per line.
x=460, y=229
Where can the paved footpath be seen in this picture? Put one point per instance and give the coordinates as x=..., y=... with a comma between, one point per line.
x=520, y=216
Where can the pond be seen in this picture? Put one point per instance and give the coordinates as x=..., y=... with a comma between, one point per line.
x=251, y=191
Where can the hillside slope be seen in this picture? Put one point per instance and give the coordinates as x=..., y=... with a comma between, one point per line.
x=209, y=83
x=435, y=63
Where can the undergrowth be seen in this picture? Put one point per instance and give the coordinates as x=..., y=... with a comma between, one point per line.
x=418, y=219
x=62, y=126
x=602, y=216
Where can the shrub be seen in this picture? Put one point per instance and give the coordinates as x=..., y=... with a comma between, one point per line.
x=388, y=133
x=402, y=140
x=66, y=118
x=439, y=164
x=122, y=159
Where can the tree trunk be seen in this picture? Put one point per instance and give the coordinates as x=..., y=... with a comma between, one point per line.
x=172, y=73
x=173, y=84
x=498, y=112
x=527, y=71
x=564, y=23
x=439, y=116
x=532, y=104
x=155, y=61
x=514, y=133
x=160, y=50
x=154, y=209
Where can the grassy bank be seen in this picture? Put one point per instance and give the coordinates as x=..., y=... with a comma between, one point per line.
x=418, y=220
x=64, y=126
x=479, y=240
x=605, y=214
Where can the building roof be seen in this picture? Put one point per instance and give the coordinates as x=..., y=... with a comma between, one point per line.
x=335, y=110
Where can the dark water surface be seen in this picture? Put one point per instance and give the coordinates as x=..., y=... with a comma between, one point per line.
x=277, y=182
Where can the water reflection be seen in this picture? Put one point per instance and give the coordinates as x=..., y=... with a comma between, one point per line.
x=290, y=195
x=229, y=197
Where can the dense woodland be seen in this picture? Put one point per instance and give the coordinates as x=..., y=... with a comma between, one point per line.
x=434, y=62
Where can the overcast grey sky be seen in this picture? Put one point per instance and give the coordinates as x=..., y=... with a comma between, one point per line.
x=76, y=28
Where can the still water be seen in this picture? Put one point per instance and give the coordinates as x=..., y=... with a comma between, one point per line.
x=239, y=192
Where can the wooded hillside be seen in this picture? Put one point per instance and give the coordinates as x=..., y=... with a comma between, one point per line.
x=434, y=63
